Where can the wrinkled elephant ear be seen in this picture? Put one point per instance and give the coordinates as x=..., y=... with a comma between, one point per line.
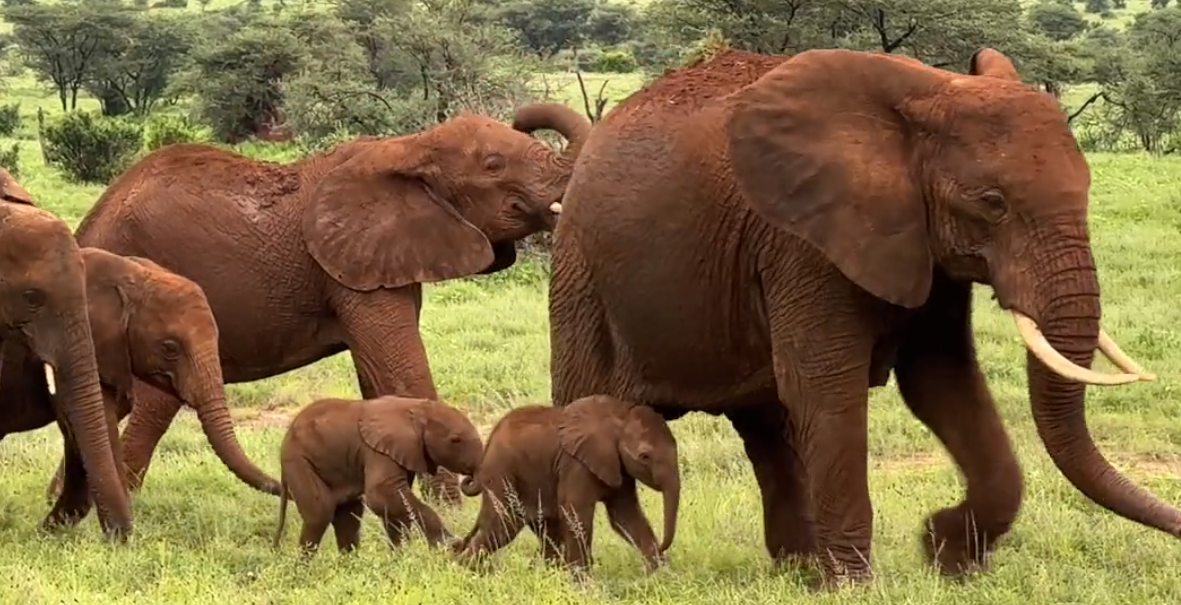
x=110, y=307
x=12, y=191
x=991, y=63
x=393, y=428
x=380, y=220
x=589, y=432
x=820, y=147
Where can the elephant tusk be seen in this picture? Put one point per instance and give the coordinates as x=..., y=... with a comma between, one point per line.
x=1044, y=351
x=556, y=207
x=1120, y=359
x=50, y=380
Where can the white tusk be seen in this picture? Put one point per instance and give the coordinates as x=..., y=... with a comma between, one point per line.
x=1044, y=351
x=556, y=207
x=1121, y=360
x=50, y=380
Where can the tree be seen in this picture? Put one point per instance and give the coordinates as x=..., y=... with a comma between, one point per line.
x=1098, y=6
x=1160, y=4
x=546, y=26
x=137, y=70
x=1056, y=21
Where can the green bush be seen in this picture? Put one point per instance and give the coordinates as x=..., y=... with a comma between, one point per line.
x=615, y=61
x=10, y=159
x=10, y=119
x=164, y=129
x=87, y=147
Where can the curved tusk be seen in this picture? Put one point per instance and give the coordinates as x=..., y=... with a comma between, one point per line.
x=1115, y=355
x=50, y=380
x=556, y=207
x=1044, y=351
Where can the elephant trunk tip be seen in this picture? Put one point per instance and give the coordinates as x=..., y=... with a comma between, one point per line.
x=469, y=486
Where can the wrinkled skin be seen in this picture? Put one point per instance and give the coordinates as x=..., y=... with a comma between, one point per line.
x=154, y=325
x=48, y=372
x=338, y=450
x=768, y=238
x=303, y=261
x=547, y=467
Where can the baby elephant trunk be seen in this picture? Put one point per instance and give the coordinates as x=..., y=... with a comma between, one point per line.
x=469, y=486
x=671, y=489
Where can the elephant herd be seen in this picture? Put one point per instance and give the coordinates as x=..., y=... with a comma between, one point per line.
x=755, y=236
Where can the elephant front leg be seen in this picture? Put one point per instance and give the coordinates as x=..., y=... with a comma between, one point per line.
x=787, y=519
x=940, y=380
x=577, y=515
x=388, y=495
x=57, y=483
x=628, y=520
x=496, y=526
x=153, y=413
x=382, y=334
x=73, y=503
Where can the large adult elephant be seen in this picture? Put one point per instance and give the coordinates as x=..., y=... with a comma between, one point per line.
x=768, y=238
x=152, y=324
x=46, y=347
x=328, y=254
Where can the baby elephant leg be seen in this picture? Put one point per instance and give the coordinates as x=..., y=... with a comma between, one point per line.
x=388, y=495
x=346, y=524
x=577, y=516
x=314, y=502
x=628, y=520
x=496, y=526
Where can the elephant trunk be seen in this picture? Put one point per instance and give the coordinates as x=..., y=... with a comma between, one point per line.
x=1070, y=324
x=573, y=126
x=74, y=378
x=671, y=490
x=470, y=487
x=203, y=389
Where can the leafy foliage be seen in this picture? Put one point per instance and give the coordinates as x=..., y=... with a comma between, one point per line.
x=88, y=147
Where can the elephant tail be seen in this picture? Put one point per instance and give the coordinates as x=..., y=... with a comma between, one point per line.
x=283, y=496
x=469, y=486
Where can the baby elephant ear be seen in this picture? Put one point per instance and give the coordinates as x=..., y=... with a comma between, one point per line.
x=589, y=431
x=393, y=427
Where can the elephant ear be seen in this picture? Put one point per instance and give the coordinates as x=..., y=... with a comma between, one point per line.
x=11, y=191
x=820, y=148
x=394, y=428
x=381, y=220
x=991, y=63
x=589, y=432
x=110, y=302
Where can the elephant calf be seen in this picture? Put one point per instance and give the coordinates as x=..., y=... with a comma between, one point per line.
x=338, y=450
x=542, y=459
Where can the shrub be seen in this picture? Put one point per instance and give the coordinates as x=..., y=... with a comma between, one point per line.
x=165, y=129
x=87, y=147
x=10, y=159
x=616, y=61
x=10, y=119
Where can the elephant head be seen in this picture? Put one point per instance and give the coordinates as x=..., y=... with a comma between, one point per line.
x=422, y=435
x=152, y=324
x=897, y=172
x=447, y=202
x=43, y=305
x=611, y=437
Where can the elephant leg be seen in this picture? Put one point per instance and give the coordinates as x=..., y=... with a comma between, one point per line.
x=577, y=515
x=382, y=333
x=73, y=504
x=787, y=520
x=497, y=525
x=153, y=414
x=628, y=520
x=346, y=525
x=389, y=496
x=549, y=533
x=54, y=489
x=580, y=353
x=313, y=499
x=940, y=380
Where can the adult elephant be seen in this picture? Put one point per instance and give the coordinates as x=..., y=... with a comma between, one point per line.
x=152, y=324
x=46, y=342
x=328, y=254
x=767, y=238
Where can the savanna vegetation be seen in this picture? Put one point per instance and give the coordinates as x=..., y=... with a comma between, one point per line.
x=88, y=86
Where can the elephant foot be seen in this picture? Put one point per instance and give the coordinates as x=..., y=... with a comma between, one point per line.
x=656, y=563
x=832, y=582
x=953, y=546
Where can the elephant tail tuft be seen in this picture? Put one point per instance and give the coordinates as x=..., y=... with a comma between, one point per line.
x=283, y=496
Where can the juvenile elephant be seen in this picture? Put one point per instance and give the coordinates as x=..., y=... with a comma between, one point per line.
x=48, y=372
x=306, y=260
x=767, y=238
x=547, y=467
x=338, y=450
x=154, y=325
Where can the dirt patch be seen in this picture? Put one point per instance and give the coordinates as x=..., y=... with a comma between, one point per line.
x=913, y=461
x=264, y=418
x=1148, y=465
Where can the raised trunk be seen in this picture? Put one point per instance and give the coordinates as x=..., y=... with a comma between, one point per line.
x=203, y=388
x=671, y=490
x=1070, y=322
x=78, y=389
x=573, y=126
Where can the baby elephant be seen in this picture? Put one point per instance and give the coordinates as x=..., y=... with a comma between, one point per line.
x=547, y=467
x=338, y=450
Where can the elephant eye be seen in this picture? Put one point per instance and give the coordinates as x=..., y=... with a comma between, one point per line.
x=494, y=163
x=34, y=297
x=456, y=438
x=994, y=201
x=171, y=348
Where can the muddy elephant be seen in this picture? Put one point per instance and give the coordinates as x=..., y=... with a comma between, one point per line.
x=152, y=324
x=767, y=238
x=48, y=371
x=337, y=451
x=547, y=468
x=329, y=254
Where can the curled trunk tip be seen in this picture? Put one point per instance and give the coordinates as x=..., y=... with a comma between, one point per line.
x=573, y=126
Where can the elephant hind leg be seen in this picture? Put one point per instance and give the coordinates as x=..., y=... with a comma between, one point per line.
x=497, y=525
x=582, y=355
x=346, y=525
x=313, y=499
x=787, y=519
x=940, y=381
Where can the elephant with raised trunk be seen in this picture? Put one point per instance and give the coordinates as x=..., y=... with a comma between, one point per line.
x=48, y=372
x=156, y=326
x=767, y=238
x=302, y=261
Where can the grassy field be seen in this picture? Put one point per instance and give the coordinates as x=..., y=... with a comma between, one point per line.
x=202, y=537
